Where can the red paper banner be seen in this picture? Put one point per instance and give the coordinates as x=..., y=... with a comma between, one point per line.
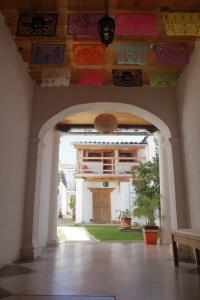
x=93, y=77
x=136, y=24
x=88, y=54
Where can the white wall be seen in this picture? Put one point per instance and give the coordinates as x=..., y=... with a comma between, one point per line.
x=121, y=198
x=189, y=117
x=15, y=110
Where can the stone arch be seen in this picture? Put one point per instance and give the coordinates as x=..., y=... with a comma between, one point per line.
x=110, y=106
x=31, y=240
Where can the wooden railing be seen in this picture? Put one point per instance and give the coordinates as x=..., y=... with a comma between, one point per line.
x=108, y=165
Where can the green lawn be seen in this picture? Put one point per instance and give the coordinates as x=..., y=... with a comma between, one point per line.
x=112, y=233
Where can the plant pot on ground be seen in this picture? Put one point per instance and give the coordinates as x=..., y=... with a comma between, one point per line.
x=125, y=217
x=147, y=201
x=150, y=234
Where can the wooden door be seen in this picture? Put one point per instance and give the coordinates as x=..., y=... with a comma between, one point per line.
x=101, y=205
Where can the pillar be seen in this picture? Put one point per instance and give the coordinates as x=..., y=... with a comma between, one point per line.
x=30, y=246
x=165, y=236
x=53, y=211
x=182, y=209
x=125, y=195
x=79, y=199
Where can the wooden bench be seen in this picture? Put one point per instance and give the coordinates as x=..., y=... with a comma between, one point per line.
x=189, y=237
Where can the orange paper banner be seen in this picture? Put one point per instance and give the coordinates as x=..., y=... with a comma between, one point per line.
x=88, y=54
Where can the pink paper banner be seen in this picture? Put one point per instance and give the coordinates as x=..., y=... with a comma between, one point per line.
x=171, y=54
x=136, y=24
x=88, y=54
x=93, y=77
x=83, y=23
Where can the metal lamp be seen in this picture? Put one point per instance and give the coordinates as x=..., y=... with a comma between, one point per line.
x=106, y=28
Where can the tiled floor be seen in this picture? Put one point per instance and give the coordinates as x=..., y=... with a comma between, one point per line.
x=129, y=271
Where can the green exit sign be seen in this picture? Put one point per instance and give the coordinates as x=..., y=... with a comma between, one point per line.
x=105, y=183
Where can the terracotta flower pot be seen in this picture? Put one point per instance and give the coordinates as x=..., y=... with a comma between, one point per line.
x=126, y=223
x=150, y=234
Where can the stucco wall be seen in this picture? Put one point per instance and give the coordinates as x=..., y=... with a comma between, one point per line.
x=121, y=198
x=51, y=101
x=189, y=117
x=15, y=109
x=87, y=199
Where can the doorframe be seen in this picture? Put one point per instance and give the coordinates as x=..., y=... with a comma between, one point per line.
x=102, y=189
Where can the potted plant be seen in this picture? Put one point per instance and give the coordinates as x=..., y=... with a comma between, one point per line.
x=147, y=202
x=125, y=217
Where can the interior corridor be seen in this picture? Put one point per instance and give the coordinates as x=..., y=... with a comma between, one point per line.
x=126, y=270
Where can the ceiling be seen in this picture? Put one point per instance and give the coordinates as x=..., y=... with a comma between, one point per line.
x=89, y=117
x=12, y=8
x=84, y=122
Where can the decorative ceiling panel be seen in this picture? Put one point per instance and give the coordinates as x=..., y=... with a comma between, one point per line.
x=127, y=78
x=37, y=24
x=137, y=23
x=56, y=77
x=163, y=78
x=171, y=54
x=47, y=54
x=88, y=54
x=131, y=54
x=93, y=77
x=83, y=24
x=140, y=23
x=182, y=23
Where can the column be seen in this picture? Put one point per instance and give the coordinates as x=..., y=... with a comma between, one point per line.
x=179, y=186
x=30, y=246
x=125, y=195
x=165, y=236
x=53, y=211
x=180, y=202
x=79, y=199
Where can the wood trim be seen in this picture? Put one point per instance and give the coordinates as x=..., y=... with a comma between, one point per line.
x=100, y=189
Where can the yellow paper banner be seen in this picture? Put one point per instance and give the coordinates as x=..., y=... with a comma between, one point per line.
x=182, y=23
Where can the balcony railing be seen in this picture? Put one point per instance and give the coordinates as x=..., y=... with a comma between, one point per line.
x=108, y=165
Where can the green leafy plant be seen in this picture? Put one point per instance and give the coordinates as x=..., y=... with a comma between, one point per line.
x=147, y=188
x=72, y=205
x=123, y=214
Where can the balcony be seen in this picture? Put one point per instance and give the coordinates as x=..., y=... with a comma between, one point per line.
x=107, y=166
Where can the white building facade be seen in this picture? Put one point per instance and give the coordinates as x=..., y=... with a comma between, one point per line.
x=104, y=179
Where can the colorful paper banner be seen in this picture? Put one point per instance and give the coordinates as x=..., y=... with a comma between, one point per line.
x=171, y=54
x=94, y=77
x=136, y=24
x=56, y=77
x=182, y=23
x=37, y=24
x=88, y=54
x=164, y=78
x=131, y=54
x=127, y=77
x=83, y=23
x=47, y=54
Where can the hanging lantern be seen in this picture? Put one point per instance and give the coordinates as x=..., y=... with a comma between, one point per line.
x=105, y=123
x=106, y=29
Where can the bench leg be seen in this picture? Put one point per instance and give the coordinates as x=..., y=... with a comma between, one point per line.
x=175, y=252
x=197, y=255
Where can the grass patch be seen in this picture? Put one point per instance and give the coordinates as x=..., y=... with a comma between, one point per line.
x=112, y=233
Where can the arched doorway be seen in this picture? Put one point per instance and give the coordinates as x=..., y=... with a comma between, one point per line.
x=37, y=226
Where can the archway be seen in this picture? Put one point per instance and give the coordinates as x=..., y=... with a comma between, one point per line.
x=170, y=152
